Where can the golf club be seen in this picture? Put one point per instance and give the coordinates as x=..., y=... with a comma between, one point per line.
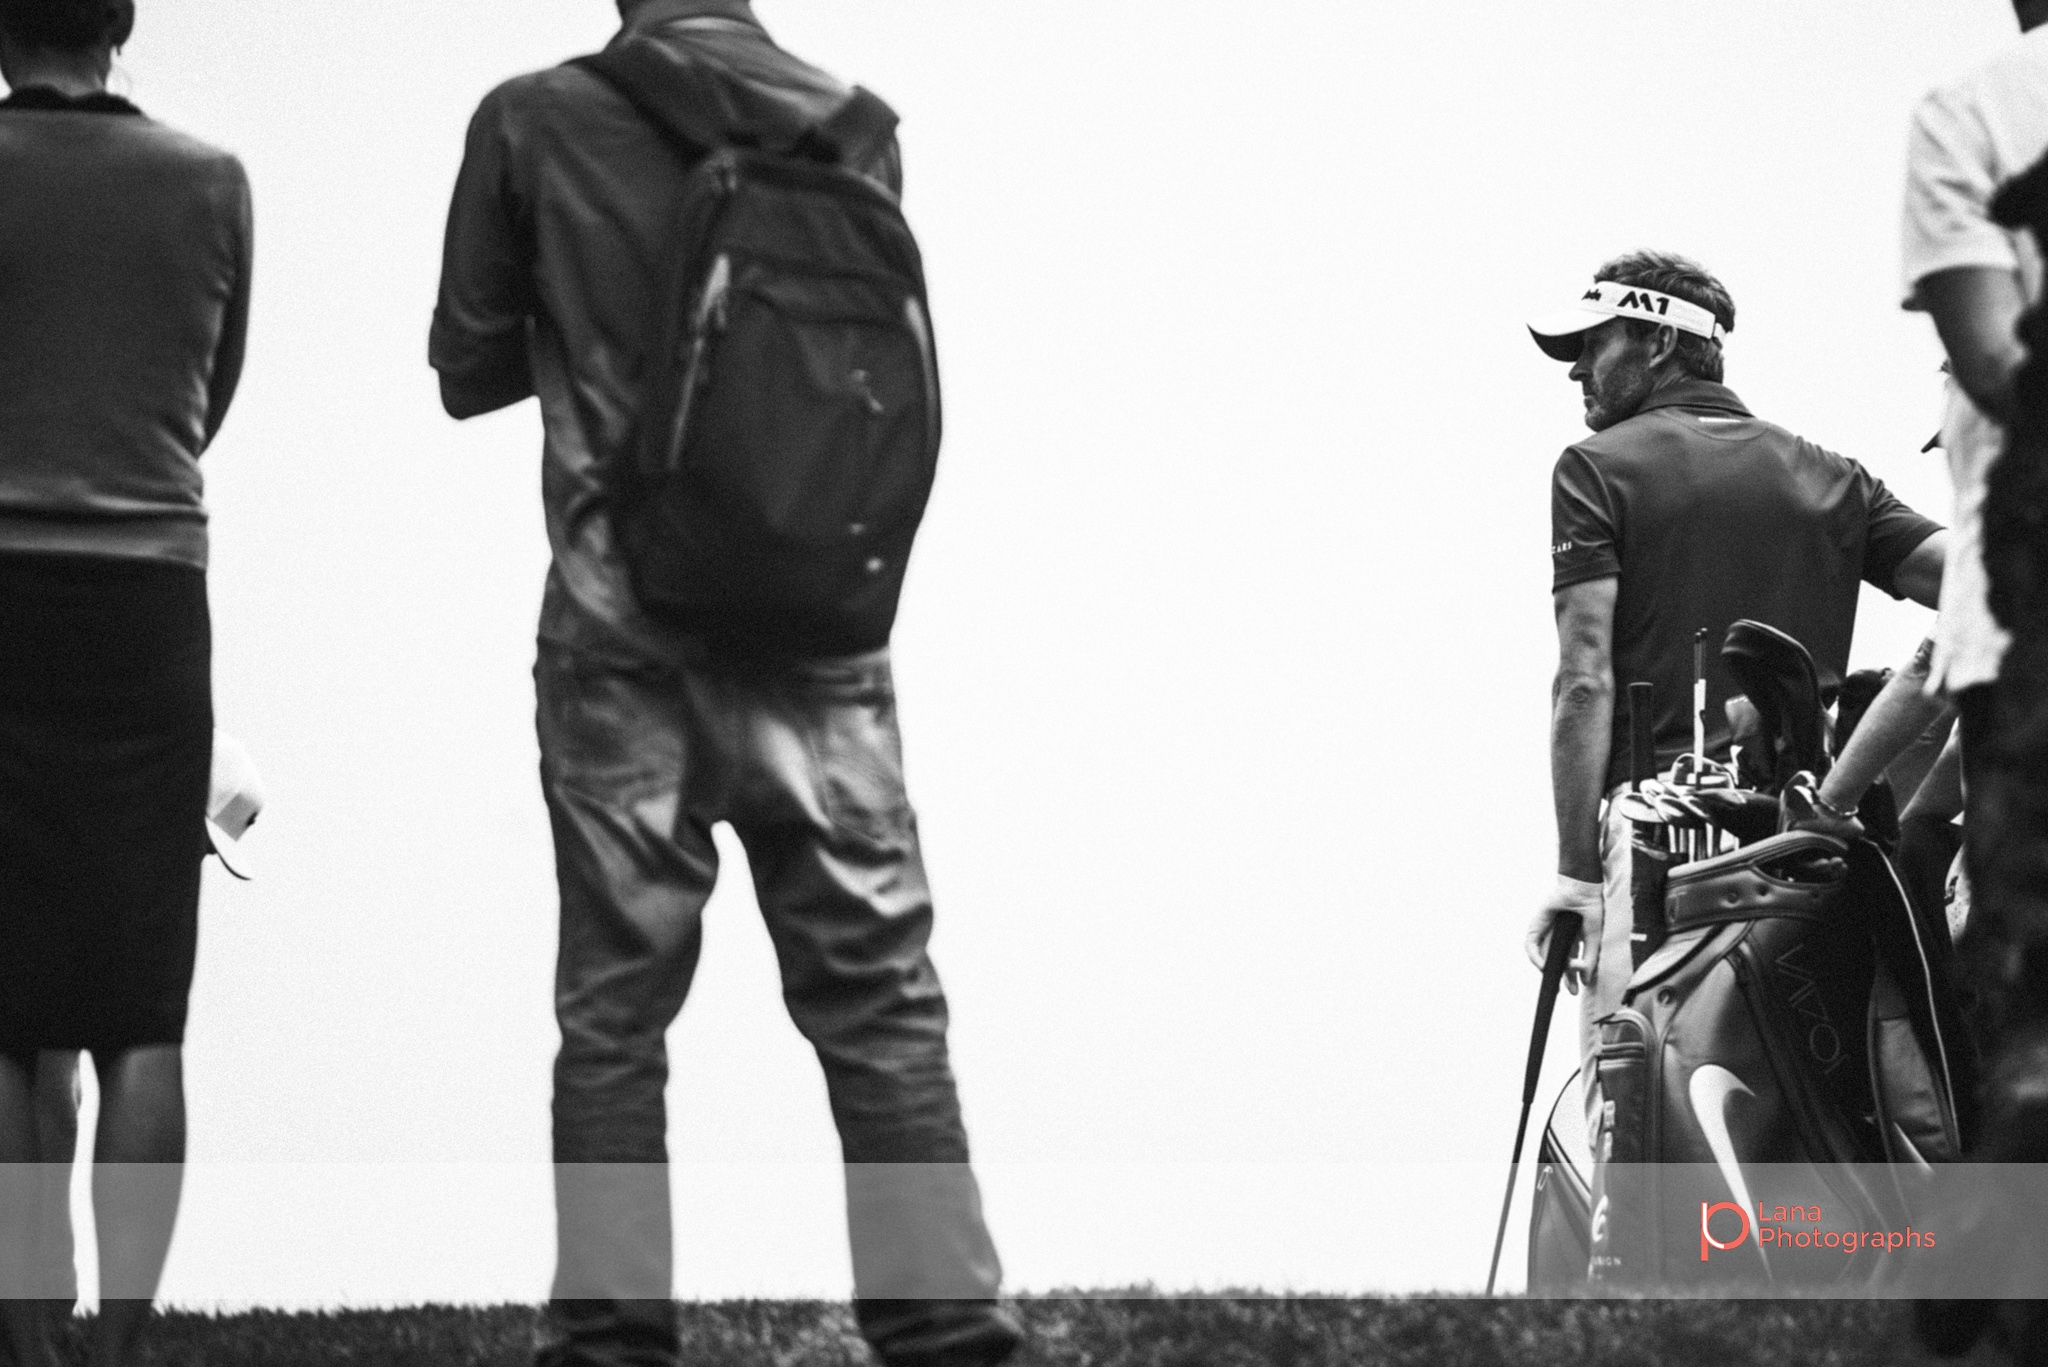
x=1564, y=933
x=1699, y=699
x=1704, y=835
x=1650, y=850
x=1683, y=824
x=1639, y=810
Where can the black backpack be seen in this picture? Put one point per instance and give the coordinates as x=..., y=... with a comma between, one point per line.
x=788, y=428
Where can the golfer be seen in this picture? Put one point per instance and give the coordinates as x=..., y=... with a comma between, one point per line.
x=124, y=298
x=1681, y=511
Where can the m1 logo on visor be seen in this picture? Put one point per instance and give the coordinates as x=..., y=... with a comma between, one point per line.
x=1617, y=300
x=1635, y=300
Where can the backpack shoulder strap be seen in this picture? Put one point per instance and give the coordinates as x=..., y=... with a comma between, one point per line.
x=857, y=132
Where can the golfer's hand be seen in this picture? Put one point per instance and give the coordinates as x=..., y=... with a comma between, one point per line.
x=1571, y=894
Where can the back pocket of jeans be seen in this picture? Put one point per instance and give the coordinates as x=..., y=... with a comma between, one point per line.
x=859, y=756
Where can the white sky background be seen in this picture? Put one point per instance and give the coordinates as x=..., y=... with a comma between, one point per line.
x=1224, y=658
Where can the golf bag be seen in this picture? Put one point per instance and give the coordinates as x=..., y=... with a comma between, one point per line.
x=1788, y=1007
x=1792, y=1018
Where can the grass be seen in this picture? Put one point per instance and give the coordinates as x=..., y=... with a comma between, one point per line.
x=1134, y=1330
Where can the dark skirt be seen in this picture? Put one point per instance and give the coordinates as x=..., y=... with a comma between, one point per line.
x=106, y=739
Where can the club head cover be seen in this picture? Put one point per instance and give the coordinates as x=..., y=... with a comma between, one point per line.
x=1777, y=676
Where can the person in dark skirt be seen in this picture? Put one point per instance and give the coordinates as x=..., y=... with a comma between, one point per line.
x=124, y=299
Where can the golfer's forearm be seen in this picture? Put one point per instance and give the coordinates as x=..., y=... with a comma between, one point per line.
x=1898, y=716
x=1581, y=730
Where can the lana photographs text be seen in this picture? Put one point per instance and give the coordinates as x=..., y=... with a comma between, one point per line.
x=1794, y=1227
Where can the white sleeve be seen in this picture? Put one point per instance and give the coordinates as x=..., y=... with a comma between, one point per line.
x=1949, y=184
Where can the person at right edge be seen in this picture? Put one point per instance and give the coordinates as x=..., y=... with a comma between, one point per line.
x=1969, y=266
x=652, y=731
x=1681, y=511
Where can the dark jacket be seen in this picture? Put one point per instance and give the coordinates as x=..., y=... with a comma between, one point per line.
x=560, y=217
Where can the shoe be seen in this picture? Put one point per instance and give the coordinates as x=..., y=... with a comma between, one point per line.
x=986, y=1345
x=2015, y=1124
x=2021, y=1329
x=54, y=1342
x=569, y=1354
x=599, y=1334
x=1949, y=1329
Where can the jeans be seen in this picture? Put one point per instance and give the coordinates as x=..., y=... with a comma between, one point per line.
x=804, y=760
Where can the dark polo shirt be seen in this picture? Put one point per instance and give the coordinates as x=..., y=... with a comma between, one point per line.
x=1709, y=514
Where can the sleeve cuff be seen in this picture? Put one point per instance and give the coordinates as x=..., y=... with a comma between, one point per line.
x=1963, y=255
x=1565, y=578
x=1883, y=575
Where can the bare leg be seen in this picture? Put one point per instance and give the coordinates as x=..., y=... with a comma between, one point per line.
x=138, y=1171
x=21, y=1315
x=56, y=1146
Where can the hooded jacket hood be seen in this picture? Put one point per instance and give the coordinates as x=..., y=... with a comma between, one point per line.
x=696, y=70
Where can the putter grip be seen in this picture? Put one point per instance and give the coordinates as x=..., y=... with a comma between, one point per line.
x=1642, y=732
x=1564, y=933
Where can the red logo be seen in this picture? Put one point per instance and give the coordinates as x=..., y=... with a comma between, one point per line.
x=1707, y=1239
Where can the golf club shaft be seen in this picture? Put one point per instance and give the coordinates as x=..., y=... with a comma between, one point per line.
x=1699, y=700
x=1564, y=935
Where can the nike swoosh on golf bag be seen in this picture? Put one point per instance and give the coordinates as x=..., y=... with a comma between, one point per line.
x=1710, y=1089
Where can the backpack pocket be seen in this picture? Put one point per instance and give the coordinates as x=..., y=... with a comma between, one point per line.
x=801, y=459
x=813, y=417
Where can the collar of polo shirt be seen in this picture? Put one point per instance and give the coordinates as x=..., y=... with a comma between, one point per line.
x=1558, y=333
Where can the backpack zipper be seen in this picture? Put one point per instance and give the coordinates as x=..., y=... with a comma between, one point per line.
x=710, y=314
x=921, y=332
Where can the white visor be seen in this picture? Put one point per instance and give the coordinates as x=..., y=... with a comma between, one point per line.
x=1559, y=333
x=234, y=797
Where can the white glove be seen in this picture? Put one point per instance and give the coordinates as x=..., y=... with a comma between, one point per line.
x=1571, y=894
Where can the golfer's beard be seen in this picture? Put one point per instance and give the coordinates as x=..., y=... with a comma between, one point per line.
x=1620, y=395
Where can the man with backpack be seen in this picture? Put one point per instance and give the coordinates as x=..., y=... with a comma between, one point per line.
x=688, y=247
